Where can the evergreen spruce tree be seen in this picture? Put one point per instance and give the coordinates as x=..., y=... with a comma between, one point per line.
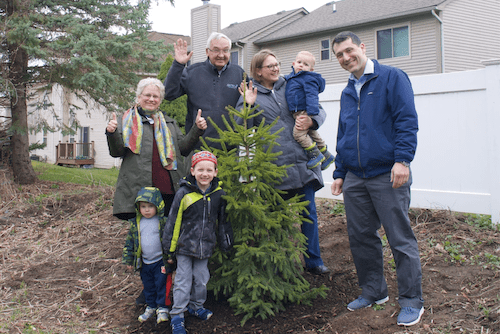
x=177, y=108
x=92, y=48
x=264, y=272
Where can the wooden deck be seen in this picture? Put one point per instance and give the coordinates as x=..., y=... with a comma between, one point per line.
x=75, y=154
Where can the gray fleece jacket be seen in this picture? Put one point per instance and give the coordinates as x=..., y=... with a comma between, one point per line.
x=273, y=102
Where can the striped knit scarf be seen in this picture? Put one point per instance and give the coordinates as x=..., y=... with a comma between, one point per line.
x=132, y=136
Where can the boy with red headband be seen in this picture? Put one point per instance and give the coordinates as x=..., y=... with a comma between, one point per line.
x=189, y=237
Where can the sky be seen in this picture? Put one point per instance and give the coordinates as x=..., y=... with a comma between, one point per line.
x=177, y=20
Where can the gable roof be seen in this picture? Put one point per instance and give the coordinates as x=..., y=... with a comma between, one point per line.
x=167, y=38
x=348, y=13
x=241, y=31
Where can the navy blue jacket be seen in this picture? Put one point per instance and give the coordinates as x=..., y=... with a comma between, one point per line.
x=302, y=90
x=207, y=90
x=378, y=129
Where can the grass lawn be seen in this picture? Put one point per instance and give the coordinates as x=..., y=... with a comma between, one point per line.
x=91, y=176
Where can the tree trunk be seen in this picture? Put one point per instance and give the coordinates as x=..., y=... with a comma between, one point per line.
x=21, y=163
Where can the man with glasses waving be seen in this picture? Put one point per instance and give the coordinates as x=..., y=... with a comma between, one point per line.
x=210, y=85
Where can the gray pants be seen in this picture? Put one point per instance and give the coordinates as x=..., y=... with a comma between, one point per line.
x=307, y=137
x=368, y=204
x=190, y=285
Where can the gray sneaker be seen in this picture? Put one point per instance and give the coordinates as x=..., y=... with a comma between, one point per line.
x=409, y=316
x=161, y=315
x=363, y=303
x=147, y=314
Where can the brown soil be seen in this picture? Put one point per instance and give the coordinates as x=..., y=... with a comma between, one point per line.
x=60, y=273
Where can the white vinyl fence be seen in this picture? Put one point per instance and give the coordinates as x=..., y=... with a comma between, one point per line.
x=457, y=164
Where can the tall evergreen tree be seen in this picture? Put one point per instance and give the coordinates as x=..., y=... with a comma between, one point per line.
x=264, y=273
x=92, y=48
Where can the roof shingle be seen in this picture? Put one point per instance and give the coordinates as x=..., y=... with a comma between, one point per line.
x=348, y=13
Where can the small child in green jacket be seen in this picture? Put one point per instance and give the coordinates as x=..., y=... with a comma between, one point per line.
x=143, y=252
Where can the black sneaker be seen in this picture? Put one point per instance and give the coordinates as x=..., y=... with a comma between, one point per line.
x=321, y=269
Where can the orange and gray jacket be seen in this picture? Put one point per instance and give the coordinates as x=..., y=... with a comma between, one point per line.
x=196, y=220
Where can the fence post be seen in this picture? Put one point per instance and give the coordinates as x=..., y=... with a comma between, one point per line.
x=492, y=77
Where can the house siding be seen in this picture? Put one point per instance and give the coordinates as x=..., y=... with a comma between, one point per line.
x=96, y=121
x=464, y=22
x=423, y=59
x=5, y=115
x=251, y=49
x=204, y=21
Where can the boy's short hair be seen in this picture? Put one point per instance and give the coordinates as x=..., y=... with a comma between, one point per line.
x=201, y=156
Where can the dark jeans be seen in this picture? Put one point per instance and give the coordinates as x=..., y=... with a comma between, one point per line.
x=310, y=230
x=155, y=284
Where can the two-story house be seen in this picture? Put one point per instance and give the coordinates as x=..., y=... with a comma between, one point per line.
x=418, y=36
x=451, y=51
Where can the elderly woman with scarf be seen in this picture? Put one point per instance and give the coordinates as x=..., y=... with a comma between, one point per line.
x=152, y=147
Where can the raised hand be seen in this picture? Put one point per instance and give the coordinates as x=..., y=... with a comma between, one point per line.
x=180, y=52
x=249, y=92
x=112, y=125
x=201, y=123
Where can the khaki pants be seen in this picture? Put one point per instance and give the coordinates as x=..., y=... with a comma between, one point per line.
x=307, y=137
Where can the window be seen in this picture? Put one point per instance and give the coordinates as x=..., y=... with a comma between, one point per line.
x=84, y=139
x=325, y=49
x=234, y=57
x=393, y=42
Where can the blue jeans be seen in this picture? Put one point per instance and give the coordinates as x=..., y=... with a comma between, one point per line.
x=310, y=230
x=155, y=284
x=370, y=203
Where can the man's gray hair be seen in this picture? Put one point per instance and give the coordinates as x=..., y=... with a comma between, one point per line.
x=217, y=35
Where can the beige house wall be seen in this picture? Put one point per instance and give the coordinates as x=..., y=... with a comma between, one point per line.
x=471, y=33
x=204, y=20
x=423, y=58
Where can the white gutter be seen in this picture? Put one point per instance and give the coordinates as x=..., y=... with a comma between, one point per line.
x=242, y=53
x=433, y=12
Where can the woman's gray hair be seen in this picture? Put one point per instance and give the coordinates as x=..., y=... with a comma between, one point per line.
x=217, y=35
x=148, y=82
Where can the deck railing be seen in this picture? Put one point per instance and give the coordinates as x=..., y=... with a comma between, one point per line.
x=75, y=153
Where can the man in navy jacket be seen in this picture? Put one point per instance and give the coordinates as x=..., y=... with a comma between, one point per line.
x=211, y=85
x=376, y=142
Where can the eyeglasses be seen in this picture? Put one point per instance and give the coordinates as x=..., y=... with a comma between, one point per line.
x=218, y=51
x=272, y=67
x=148, y=96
